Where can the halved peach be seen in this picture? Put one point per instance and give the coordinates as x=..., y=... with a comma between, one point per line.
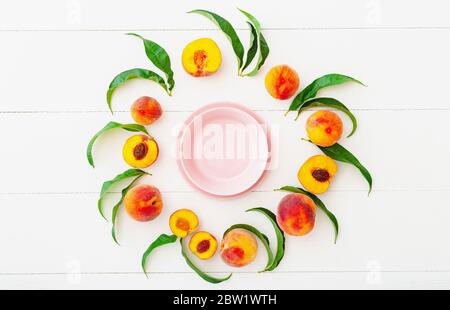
x=201, y=57
x=317, y=173
x=140, y=151
x=203, y=245
x=182, y=222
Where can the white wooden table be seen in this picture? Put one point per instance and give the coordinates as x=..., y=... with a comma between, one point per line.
x=57, y=59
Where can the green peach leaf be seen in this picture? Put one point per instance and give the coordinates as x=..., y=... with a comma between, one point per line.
x=198, y=271
x=163, y=239
x=159, y=57
x=262, y=44
x=115, y=209
x=312, y=89
x=109, y=126
x=279, y=234
x=264, y=53
x=329, y=103
x=318, y=203
x=261, y=236
x=251, y=52
x=228, y=30
x=108, y=184
x=339, y=153
x=136, y=73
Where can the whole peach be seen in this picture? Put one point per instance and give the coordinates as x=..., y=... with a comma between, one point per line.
x=146, y=110
x=324, y=128
x=143, y=203
x=296, y=214
x=238, y=248
x=282, y=82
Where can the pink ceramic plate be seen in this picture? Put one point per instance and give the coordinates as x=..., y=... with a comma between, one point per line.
x=223, y=149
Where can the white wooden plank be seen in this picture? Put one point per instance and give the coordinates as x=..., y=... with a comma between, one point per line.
x=71, y=71
x=388, y=231
x=268, y=281
x=58, y=58
x=46, y=152
x=116, y=14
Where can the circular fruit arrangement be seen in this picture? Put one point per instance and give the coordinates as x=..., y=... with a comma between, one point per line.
x=212, y=172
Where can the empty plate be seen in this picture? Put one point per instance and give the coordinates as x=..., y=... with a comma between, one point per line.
x=223, y=149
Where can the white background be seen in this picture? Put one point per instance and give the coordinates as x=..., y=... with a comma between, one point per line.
x=57, y=59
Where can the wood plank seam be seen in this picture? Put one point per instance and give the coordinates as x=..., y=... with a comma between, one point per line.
x=253, y=191
x=218, y=272
x=237, y=29
x=188, y=111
